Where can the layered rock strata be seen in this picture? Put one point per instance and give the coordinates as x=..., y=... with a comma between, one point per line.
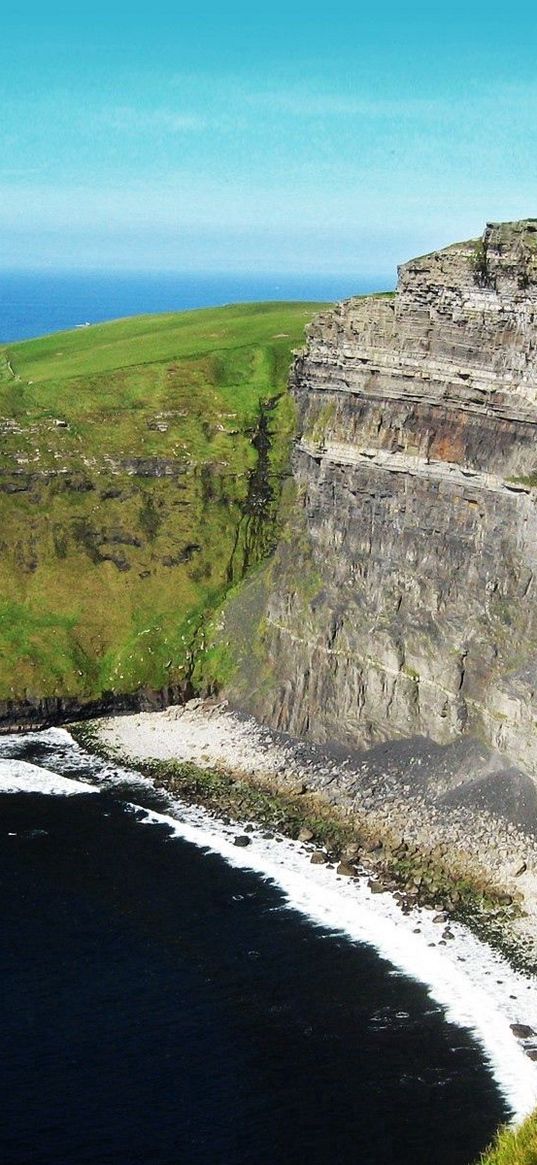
x=403, y=600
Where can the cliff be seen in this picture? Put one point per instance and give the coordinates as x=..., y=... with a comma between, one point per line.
x=402, y=601
x=139, y=480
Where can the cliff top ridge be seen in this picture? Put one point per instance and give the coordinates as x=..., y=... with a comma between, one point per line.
x=502, y=260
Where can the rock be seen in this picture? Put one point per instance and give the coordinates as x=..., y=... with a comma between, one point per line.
x=347, y=869
x=532, y=1053
x=318, y=858
x=372, y=847
x=242, y=840
x=305, y=835
x=376, y=887
x=441, y=917
x=522, y=1031
x=351, y=853
x=417, y=418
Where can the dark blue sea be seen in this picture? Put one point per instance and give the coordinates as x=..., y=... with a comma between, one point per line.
x=162, y=1007
x=36, y=303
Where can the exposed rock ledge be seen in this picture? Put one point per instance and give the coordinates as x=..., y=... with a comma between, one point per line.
x=403, y=600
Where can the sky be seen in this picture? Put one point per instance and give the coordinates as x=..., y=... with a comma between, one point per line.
x=341, y=138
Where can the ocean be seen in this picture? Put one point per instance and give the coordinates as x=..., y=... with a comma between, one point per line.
x=36, y=303
x=163, y=1004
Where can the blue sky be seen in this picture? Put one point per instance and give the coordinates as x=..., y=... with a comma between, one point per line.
x=281, y=138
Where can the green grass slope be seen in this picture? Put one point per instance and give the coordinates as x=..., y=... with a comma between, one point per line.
x=514, y=1146
x=140, y=469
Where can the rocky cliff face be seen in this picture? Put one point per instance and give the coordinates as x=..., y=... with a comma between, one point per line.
x=404, y=600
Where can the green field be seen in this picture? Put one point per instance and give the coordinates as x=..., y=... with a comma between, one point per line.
x=140, y=472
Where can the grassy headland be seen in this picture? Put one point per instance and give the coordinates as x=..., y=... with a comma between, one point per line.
x=140, y=473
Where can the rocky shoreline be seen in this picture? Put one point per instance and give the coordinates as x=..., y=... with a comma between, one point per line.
x=398, y=811
x=315, y=854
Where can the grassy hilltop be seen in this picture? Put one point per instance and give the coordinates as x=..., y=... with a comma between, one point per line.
x=140, y=469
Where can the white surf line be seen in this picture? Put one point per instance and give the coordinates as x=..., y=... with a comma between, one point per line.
x=18, y=776
x=475, y=985
x=466, y=977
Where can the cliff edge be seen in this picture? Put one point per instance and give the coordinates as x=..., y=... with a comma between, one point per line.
x=140, y=471
x=402, y=599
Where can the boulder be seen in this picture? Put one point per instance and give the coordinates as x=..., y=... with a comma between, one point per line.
x=305, y=835
x=522, y=1031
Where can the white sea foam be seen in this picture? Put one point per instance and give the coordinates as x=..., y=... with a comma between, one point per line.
x=478, y=988
x=472, y=982
x=17, y=776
